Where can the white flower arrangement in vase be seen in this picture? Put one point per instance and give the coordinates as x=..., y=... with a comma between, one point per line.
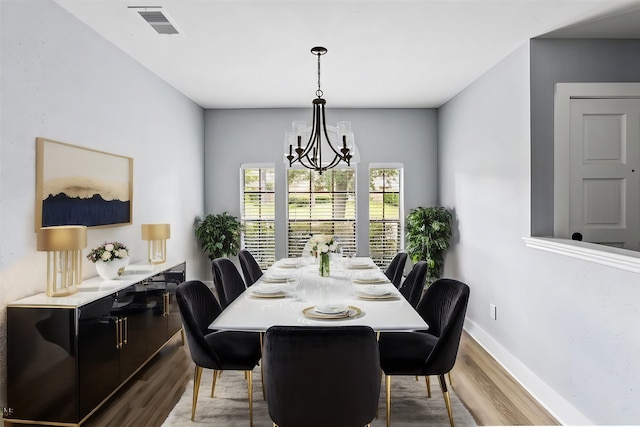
x=320, y=247
x=110, y=259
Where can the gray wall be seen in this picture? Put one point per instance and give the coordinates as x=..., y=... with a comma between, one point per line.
x=567, y=329
x=234, y=137
x=567, y=61
x=62, y=81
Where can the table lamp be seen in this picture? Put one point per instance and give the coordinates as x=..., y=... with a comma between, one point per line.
x=157, y=235
x=64, y=246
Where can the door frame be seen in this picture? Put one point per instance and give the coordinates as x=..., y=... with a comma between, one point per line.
x=564, y=93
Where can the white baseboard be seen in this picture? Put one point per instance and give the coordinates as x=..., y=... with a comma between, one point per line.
x=563, y=411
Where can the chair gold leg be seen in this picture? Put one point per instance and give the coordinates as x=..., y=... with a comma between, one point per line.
x=428, y=381
x=182, y=335
x=250, y=385
x=213, y=382
x=450, y=380
x=447, y=399
x=196, y=387
x=387, y=383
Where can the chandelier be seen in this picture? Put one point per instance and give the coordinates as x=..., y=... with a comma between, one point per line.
x=310, y=154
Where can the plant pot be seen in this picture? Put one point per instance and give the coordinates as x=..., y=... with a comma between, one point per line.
x=113, y=269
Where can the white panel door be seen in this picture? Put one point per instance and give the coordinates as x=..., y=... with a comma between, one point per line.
x=604, y=203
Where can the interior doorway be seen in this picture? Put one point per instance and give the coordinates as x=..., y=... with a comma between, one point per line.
x=597, y=163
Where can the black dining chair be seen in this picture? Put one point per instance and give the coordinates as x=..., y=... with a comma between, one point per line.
x=433, y=352
x=321, y=376
x=413, y=285
x=250, y=268
x=396, y=268
x=217, y=350
x=228, y=281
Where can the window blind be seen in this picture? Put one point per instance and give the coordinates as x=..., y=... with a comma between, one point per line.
x=258, y=214
x=321, y=204
x=385, y=214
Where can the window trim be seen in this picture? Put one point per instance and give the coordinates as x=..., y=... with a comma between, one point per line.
x=388, y=165
x=353, y=167
x=243, y=167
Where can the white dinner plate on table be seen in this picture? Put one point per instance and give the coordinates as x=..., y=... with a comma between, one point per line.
x=289, y=263
x=331, y=308
x=276, y=277
x=268, y=291
x=350, y=311
x=360, y=263
x=372, y=277
x=375, y=293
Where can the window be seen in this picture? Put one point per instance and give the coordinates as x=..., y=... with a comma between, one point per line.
x=385, y=214
x=321, y=204
x=258, y=213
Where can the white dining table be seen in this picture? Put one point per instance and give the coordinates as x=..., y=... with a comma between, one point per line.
x=290, y=292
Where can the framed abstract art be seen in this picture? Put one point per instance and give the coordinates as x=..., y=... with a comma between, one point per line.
x=81, y=186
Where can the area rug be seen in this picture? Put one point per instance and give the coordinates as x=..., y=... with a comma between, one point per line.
x=230, y=406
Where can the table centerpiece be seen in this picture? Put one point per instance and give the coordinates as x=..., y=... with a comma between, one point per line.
x=321, y=246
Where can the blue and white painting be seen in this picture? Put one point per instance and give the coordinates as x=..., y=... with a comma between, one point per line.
x=82, y=186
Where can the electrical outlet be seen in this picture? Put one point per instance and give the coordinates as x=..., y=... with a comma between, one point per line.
x=493, y=312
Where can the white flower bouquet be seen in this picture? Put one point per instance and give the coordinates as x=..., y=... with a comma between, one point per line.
x=320, y=244
x=107, y=252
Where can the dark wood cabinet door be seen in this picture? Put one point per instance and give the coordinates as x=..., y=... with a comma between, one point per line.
x=174, y=277
x=41, y=358
x=98, y=354
x=156, y=316
x=130, y=307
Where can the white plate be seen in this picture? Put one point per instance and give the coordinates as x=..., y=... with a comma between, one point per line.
x=267, y=290
x=374, y=281
x=369, y=275
x=289, y=263
x=374, y=291
x=360, y=262
x=331, y=308
x=276, y=277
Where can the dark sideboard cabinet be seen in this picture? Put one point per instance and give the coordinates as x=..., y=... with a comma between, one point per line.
x=66, y=356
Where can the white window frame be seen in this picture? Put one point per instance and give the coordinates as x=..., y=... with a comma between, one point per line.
x=354, y=168
x=264, y=257
x=401, y=219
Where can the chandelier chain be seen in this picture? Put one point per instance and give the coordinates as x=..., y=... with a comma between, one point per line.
x=319, y=91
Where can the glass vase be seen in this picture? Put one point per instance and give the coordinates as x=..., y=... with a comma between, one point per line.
x=323, y=264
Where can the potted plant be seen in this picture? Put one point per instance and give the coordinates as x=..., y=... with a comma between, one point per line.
x=219, y=235
x=428, y=233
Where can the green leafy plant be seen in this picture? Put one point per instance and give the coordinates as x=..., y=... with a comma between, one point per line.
x=429, y=237
x=219, y=235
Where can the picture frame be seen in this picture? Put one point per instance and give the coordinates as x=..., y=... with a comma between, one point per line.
x=81, y=186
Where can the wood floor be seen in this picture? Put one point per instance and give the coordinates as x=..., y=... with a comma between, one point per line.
x=492, y=396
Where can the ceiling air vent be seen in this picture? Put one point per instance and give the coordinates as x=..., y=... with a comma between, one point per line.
x=158, y=21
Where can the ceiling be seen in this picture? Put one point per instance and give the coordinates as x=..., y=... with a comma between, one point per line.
x=381, y=53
